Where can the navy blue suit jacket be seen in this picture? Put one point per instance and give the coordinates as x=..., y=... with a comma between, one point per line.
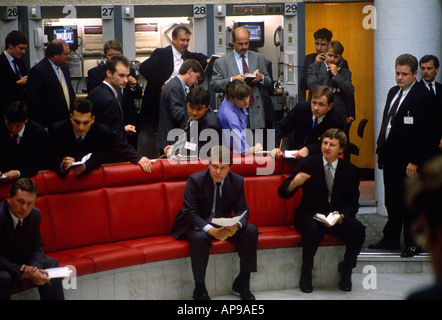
x=108, y=112
x=32, y=250
x=9, y=89
x=63, y=143
x=46, y=98
x=300, y=120
x=198, y=196
x=30, y=155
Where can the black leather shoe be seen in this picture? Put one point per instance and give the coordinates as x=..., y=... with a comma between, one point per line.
x=200, y=294
x=410, y=252
x=345, y=282
x=305, y=282
x=244, y=293
x=381, y=245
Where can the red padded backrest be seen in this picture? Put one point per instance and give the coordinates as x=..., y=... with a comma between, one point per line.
x=45, y=224
x=265, y=206
x=181, y=170
x=256, y=165
x=71, y=183
x=136, y=211
x=174, y=194
x=130, y=174
x=78, y=219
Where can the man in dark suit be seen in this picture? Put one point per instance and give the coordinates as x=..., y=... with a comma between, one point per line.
x=22, y=254
x=163, y=65
x=108, y=110
x=237, y=63
x=216, y=192
x=173, y=100
x=50, y=91
x=398, y=150
x=429, y=66
x=308, y=120
x=196, y=139
x=332, y=74
x=322, y=37
x=329, y=185
x=128, y=95
x=13, y=70
x=23, y=143
x=71, y=140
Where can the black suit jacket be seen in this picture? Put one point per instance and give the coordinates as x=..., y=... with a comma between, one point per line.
x=30, y=155
x=156, y=70
x=108, y=112
x=209, y=121
x=63, y=143
x=198, y=201
x=402, y=145
x=32, y=251
x=46, y=99
x=96, y=76
x=300, y=120
x=345, y=194
x=172, y=111
x=9, y=90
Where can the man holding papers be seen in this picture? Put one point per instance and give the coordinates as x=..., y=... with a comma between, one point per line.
x=329, y=185
x=79, y=144
x=22, y=254
x=211, y=194
x=307, y=121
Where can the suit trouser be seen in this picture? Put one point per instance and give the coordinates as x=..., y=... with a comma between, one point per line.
x=245, y=241
x=352, y=230
x=394, y=178
x=52, y=291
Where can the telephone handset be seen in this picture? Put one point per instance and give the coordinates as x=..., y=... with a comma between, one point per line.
x=278, y=43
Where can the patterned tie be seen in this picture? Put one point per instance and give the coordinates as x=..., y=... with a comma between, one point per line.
x=245, y=70
x=65, y=89
x=329, y=179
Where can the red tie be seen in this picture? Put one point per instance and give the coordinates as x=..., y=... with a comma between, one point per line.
x=245, y=70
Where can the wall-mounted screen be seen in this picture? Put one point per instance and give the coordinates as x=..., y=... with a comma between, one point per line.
x=256, y=32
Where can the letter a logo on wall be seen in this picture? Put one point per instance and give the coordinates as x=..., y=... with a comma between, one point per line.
x=369, y=21
x=370, y=280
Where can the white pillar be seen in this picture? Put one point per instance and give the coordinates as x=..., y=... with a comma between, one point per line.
x=403, y=26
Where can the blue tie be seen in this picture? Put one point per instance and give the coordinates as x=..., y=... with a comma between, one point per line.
x=17, y=72
x=315, y=123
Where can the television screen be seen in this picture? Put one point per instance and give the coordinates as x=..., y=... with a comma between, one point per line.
x=68, y=34
x=256, y=32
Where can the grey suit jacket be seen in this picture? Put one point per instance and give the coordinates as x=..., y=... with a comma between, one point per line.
x=225, y=67
x=172, y=111
x=317, y=76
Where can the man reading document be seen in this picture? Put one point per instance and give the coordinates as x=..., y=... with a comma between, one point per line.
x=215, y=193
x=330, y=185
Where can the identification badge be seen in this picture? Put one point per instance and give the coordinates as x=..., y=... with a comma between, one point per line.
x=190, y=146
x=408, y=120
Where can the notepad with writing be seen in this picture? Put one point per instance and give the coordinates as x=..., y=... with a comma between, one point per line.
x=81, y=162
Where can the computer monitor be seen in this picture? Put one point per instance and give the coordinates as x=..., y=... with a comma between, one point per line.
x=68, y=34
x=256, y=32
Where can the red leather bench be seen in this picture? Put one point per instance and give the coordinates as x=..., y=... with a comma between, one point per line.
x=118, y=216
